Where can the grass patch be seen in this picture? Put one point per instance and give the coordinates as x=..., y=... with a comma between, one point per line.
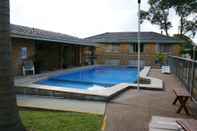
x=35, y=120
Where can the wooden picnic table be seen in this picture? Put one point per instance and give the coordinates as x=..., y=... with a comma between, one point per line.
x=182, y=95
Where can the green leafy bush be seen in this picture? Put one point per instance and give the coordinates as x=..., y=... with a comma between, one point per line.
x=160, y=58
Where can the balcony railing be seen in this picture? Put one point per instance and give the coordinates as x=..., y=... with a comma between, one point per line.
x=186, y=72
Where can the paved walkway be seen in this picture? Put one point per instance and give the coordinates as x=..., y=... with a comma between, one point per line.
x=61, y=104
x=132, y=110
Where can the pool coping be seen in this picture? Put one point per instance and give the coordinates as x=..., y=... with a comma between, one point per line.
x=155, y=83
x=22, y=84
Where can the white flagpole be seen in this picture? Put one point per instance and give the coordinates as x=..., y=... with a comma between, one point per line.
x=138, y=82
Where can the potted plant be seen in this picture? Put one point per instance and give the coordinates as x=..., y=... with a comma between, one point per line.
x=160, y=58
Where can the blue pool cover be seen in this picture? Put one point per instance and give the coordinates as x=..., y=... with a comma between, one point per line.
x=100, y=76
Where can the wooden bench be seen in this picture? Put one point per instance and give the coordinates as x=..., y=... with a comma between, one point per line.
x=188, y=124
x=182, y=95
x=159, y=123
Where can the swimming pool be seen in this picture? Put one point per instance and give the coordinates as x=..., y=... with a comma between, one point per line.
x=93, y=78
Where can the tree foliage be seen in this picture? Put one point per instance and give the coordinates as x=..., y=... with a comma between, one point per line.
x=159, y=11
x=157, y=14
x=186, y=9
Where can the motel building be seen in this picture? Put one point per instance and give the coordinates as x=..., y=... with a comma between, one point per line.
x=120, y=48
x=51, y=51
x=48, y=50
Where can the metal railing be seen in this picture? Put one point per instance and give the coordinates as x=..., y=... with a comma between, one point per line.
x=186, y=71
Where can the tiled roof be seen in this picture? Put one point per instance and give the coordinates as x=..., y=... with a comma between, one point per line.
x=117, y=37
x=18, y=31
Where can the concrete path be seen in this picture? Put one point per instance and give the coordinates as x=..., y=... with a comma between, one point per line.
x=61, y=104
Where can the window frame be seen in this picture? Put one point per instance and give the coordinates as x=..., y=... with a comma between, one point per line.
x=23, y=52
x=163, y=48
x=115, y=48
x=135, y=47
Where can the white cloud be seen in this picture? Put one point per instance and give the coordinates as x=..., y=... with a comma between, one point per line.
x=81, y=18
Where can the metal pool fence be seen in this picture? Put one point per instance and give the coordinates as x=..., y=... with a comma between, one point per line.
x=186, y=71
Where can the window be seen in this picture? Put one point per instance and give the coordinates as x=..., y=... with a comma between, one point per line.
x=108, y=48
x=113, y=48
x=164, y=48
x=23, y=53
x=133, y=47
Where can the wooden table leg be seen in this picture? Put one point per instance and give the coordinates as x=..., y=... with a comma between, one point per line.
x=185, y=106
x=183, y=101
x=174, y=102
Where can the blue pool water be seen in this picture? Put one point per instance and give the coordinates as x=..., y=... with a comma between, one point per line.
x=97, y=76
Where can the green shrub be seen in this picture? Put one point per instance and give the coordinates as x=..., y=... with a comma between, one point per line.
x=160, y=58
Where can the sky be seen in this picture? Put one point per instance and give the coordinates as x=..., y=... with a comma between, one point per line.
x=83, y=18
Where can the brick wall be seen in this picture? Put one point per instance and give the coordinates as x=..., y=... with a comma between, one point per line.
x=100, y=53
x=176, y=50
x=17, y=44
x=148, y=55
x=124, y=53
x=47, y=55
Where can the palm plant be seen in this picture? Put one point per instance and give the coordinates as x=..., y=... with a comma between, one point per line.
x=9, y=116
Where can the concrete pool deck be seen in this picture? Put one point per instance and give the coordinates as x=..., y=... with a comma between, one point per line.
x=155, y=83
x=50, y=103
x=133, y=110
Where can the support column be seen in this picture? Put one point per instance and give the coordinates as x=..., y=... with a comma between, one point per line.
x=61, y=57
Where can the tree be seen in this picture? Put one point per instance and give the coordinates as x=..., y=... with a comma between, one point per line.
x=185, y=9
x=158, y=14
x=190, y=27
x=9, y=116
